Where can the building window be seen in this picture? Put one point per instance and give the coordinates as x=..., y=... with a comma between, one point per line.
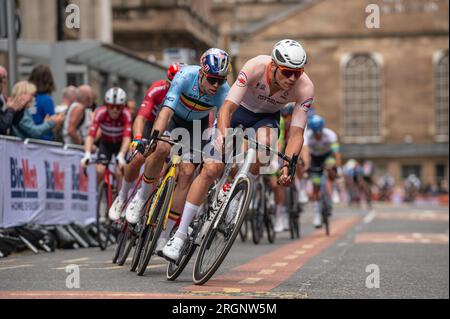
x=411, y=170
x=441, y=95
x=362, y=99
x=440, y=172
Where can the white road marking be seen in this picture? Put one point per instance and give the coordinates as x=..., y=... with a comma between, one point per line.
x=14, y=267
x=266, y=272
x=69, y=261
x=369, y=217
x=250, y=281
x=279, y=264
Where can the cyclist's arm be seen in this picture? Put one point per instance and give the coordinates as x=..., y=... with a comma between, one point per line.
x=163, y=119
x=88, y=144
x=225, y=114
x=305, y=156
x=127, y=120
x=295, y=141
x=93, y=129
x=335, y=148
x=138, y=126
x=246, y=77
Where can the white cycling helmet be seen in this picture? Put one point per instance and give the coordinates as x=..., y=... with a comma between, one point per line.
x=289, y=53
x=115, y=96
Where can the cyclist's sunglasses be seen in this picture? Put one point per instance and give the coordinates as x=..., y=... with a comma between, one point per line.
x=215, y=79
x=114, y=106
x=288, y=72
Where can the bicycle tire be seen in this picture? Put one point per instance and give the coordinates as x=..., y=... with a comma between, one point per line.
x=271, y=235
x=243, y=231
x=257, y=218
x=173, y=270
x=199, y=277
x=102, y=237
x=121, y=242
x=152, y=236
x=130, y=242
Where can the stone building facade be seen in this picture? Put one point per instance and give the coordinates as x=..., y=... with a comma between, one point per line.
x=383, y=90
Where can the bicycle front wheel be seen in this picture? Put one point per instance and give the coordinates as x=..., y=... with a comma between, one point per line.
x=218, y=241
x=156, y=225
x=102, y=221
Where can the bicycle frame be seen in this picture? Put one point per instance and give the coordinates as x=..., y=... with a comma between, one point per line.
x=171, y=172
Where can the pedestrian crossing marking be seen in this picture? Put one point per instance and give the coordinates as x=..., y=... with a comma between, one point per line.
x=266, y=272
x=250, y=281
x=70, y=261
x=290, y=257
x=280, y=264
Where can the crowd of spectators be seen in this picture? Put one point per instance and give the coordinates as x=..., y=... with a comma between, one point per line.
x=30, y=111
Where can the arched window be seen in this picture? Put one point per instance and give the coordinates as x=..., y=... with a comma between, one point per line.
x=362, y=99
x=441, y=95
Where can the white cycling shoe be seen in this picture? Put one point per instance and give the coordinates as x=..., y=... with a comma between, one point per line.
x=302, y=197
x=173, y=248
x=335, y=197
x=279, y=224
x=160, y=244
x=317, y=221
x=135, y=209
x=115, y=211
x=286, y=225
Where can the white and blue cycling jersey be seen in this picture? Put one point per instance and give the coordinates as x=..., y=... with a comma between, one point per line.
x=185, y=99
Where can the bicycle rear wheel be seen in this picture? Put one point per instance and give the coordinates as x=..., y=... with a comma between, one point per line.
x=218, y=241
x=156, y=224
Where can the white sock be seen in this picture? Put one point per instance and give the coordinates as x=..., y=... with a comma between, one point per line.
x=298, y=185
x=281, y=209
x=126, y=186
x=252, y=176
x=165, y=233
x=316, y=206
x=189, y=212
x=146, y=190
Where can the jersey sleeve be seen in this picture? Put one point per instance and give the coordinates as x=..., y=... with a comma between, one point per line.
x=334, y=144
x=96, y=122
x=153, y=98
x=304, y=100
x=224, y=90
x=246, y=77
x=127, y=122
x=176, y=88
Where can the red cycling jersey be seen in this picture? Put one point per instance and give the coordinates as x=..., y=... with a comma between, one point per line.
x=113, y=131
x=153, y=99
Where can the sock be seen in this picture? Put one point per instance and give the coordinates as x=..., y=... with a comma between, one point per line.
x=281, y=209
x=316, y=206
x=126, y=186
x=189, y=212
x=298, y=185
x=173, y=218
x=147, y=187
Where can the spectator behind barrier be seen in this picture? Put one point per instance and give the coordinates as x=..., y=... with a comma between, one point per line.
x=23, y=124
x=9, y=107
x=79, y=114
x=42, y=78
x=69, y=96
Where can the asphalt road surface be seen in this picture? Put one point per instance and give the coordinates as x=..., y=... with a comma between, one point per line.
x=389, y=252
